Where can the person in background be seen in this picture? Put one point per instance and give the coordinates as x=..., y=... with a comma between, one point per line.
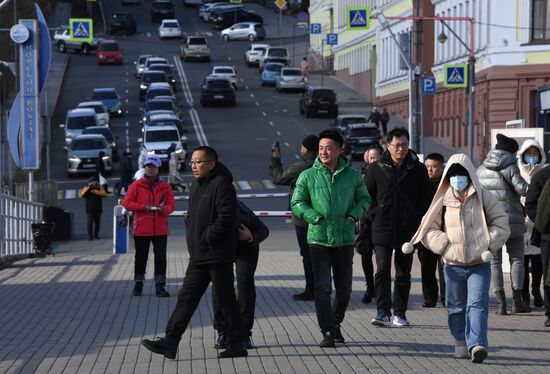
x=384, y=119
x=126, y=173
x=288, y=177
x=174, y=179
x=464, y=224
x=152, y=201
x=499, y=173
x=93, y=193
x=375, y=117
x=304, y=68
x=363, y=241
x=101, y=172
x=531, y=159
x=429, y=261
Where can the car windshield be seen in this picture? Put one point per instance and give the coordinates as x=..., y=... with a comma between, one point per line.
x=364, y=132
x=218, y=83
x=294, y=72
x=347, y=121
x=163, y=5
x=156, y=60
x=195, y=41
x=105, y=95
x=260, y=49
x=164, y=122
x=258, y=27
x=101, y=131
x=158, y=105
x=99, y=109
x=87, y=144
x=153, y=77
x=273, y=67
x=142, y=60
x=170, y=24
x=279, y=52
x=79, y=123
x=158, y=92
x=165, y=68
x=109, y=47
x=278, y=60
x=324, y=94
x=161, y=136
x=223, y=71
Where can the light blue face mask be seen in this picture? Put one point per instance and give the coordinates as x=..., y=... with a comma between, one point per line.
x=459, y=182
x=531, y=160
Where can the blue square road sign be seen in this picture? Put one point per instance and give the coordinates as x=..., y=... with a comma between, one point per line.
x=428, y=85
x=332, y=39
x=315, y=28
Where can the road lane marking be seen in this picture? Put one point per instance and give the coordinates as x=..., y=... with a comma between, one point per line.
x=201, y=137
x=264, y=114
x=244, y=185
x=288, y=145
x=251, y=95
x=270, y=123
x=279, y=133
x=184, y=82
x=257, y=103
x=268, y=184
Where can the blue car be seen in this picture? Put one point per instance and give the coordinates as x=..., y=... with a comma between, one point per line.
x=270, y=73
x=110, y=98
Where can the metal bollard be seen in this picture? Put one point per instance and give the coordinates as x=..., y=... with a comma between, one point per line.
x=120, y=231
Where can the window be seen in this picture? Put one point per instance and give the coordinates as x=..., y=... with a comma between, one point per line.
x=540, y=20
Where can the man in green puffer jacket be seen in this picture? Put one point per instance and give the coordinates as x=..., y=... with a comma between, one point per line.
x=331, y=196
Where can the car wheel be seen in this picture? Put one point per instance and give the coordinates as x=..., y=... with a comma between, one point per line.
x=233, y=103
x=225, y=38
x=61, y=46
x=85, y=49
x=208, y=59
x=251, y=37
x=263, y=84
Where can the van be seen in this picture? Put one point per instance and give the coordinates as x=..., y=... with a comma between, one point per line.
x=275, y=52
x=77, y=120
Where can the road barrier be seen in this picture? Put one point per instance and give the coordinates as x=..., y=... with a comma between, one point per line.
x=247, y=195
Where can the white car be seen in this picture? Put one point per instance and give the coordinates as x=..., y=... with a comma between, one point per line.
x=290, y=79
x=170, y=28
x=102, y=114
x=157, y=140
x=227, y=72
x=244, y=30
x=254, y=53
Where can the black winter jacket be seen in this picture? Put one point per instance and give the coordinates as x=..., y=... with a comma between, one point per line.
x=532, y=198
x=212, y=224
x=93, y=196
x=259, y=231
x=401, y=197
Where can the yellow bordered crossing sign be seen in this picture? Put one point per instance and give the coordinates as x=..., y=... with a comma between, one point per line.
x=456, y=76
x=358, y=18
x=81, y=29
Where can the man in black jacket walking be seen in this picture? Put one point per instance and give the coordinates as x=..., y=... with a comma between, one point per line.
x=93, y=193
x=401, y=192
x=212, y=234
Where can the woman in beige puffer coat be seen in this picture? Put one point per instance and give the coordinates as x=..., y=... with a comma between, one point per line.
x=464, y=222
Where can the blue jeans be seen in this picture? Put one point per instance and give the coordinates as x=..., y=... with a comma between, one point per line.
x=467, y=301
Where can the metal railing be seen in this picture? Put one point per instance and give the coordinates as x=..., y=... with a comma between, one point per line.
x=16, y=217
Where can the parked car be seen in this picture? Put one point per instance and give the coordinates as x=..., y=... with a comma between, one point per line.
x=213, y=8
x=192, y=3
x=161, y=9
x=158, y=139
x=318, y=100
x=271, y=73
x=167, y=69
x=140, y=64
x=162, y=103
x=107, y=134
x=110, y=98
x=275, y=52
x=122, y=22
x=148, y=77
x=290, y=79
x=83, y=153
x=195, y=47
x=360, y=136
x=170, y=28
x=227, y=17
x=218, y=90
x=273, y=60
x=62, y=40
x=109, y=52
x=101, y=112
x=343, y=120
x=245, y=30
x=227, y=72
x=254, y=53
x=158, y=89
x=76, y=121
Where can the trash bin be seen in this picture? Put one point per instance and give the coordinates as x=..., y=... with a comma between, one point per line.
x=120, y=230
x=62, y=220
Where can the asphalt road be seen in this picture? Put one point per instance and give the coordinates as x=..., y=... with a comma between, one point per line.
x=242, y=135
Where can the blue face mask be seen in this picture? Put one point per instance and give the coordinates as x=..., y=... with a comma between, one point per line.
x=459, y=182
x=531, y=160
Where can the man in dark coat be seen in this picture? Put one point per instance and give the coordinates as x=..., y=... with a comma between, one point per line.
x=212, y=234
x=375, y=117
x=93, y=193
x=288, y=177
x=126, y=174
x=401, y=192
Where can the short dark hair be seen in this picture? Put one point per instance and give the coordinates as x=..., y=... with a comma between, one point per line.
x=436, y=157
x=397, y=133
x=210, y=152
x=376, y=147
x=333, y=134
x=457, y=169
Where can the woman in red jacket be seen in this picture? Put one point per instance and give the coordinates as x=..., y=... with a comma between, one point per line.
x=152, y=200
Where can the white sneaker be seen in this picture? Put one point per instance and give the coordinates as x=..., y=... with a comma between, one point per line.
x=400, y=321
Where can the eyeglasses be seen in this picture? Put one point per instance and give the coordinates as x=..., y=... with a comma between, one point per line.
x=400, y=145
x=198, y=162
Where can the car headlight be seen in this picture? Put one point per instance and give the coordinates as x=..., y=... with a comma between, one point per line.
x=140, y=69
x=68, y=139
x=150, y=152
x=179, y=150
x=105, y=158
x=74, y=160
x=142, y=87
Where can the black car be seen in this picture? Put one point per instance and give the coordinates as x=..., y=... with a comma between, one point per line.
x=217, y=90
x=161, y=9
x=167, y=69
x=228, y=17
x=317, y=101
x=360, y=136
x=122, y=22
x=148, y=77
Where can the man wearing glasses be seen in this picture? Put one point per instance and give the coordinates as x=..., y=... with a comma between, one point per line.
x=401, y=192
x=212, y=235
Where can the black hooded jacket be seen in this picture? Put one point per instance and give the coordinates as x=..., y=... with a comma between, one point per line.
x=259, y=231
x=212, y=224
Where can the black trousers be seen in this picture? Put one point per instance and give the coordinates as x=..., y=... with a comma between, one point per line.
x=245, y=267
x=382, y=280
x=545, y=255
x=368, y=269
x=301, y=235
x=94, y=220
x=142, y=244
x=339, y=262
x=384, y=127
x=536, y=272
x=429, y=264
x=196, y=281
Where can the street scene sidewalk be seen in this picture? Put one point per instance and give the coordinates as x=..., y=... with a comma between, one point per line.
x=75, y=313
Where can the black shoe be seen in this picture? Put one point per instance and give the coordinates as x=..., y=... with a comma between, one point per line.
x=138, y=288
x=249, y=343
x=547, y=322
x=236, y=349
x=428, y=304
x=328, y=340
x=161, y=291
x=222, y=342
x=168, y=347
x=304, y=296
x=443, y=301
x=367, y=298
x=538, y=301
x=338, y=337
x=96, y=237
x=90, y=238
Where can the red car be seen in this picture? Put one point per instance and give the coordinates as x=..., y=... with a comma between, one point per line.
x=109, y=52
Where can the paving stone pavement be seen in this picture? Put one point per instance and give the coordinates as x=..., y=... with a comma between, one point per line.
x=74, y=313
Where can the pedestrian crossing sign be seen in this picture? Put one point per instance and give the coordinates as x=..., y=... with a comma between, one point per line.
x=456, y=76
x=358, y=18
x=81, y=29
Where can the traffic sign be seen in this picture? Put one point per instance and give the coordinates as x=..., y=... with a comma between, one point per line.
x=428, y=85
x=332, y=39
x=236, y=1
x=280, y=4
x=358, y=18
x=81, y=29
x=456, y=76
x=315, y=28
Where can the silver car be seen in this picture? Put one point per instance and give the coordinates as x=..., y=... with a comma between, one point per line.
x=195, y=47
x=290, y=79
x=83, y=154
x=103, y=117
x=76, y=121
x=244, y=31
